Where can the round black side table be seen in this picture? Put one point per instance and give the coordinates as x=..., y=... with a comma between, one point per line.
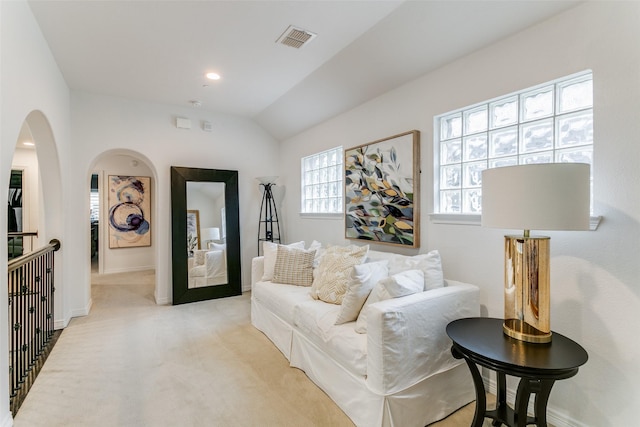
x=480, y=340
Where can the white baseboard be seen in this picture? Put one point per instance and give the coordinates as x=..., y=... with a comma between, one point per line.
x=129, y=269
x=163, y=300
x=554, y=416
x=80, y=312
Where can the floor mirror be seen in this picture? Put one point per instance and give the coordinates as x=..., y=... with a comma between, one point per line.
x=205, y=234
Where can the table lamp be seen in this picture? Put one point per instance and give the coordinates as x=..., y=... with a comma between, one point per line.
x=552, y=196
x=210, y=234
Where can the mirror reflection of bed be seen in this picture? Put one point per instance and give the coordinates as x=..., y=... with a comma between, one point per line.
x=206, y=235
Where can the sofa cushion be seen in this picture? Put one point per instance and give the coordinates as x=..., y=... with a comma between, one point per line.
x=198, y=271
x=270, y=250
x=334, y=271
x=316, y=321
x=398, y=285
x=294, y=266
x=363, y=278
x=429, y=263
x=279, y=298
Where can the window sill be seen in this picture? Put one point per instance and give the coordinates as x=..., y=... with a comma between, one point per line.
x=468, y=219
x=322, y=215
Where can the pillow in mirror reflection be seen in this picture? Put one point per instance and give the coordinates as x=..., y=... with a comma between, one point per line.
x=198, y=256
x=218, y=246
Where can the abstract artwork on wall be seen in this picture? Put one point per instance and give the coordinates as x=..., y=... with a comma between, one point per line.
x=193, y=230
x=381, y=190
x=129, y=211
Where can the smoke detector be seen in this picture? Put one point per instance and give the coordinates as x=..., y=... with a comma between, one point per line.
x=295, y=37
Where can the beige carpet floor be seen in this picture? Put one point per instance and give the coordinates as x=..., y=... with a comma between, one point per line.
x=131, y=362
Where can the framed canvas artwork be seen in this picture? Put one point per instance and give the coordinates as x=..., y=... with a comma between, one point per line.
x=129, y=211
x=193, y=230
x=382, y=180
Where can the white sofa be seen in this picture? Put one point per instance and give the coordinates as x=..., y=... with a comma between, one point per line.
x=399, y=373
x=207, y=268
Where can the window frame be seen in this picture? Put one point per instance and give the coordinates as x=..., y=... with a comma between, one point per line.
x=469, y=217
x=337, y=180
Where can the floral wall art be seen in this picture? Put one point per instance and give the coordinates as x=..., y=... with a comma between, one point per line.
x=381, y=190
x=129, y=211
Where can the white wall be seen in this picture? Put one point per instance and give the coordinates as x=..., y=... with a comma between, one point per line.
x=595, y=274
x=121, y=259
x=105, y=124
x=31, y=85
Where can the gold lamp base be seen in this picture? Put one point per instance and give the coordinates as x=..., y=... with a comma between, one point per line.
x=524, y=332
x=526, y=288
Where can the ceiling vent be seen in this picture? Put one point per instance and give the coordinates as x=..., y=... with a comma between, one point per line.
x=295, y=37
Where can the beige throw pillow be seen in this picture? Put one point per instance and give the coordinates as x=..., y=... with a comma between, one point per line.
x=334, y=271
x=363, y=278
x=198, y=257
x=294, y=266
x=270, y=251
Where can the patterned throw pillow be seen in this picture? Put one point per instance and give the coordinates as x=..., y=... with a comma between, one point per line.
x=334, y=272
x=198, y=257
x=294, y=266
x=270, y=251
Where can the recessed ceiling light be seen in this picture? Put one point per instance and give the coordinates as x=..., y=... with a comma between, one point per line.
x=28, y=143
x=213, y=76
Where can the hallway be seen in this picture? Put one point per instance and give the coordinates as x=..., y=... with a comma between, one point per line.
x=134, y=363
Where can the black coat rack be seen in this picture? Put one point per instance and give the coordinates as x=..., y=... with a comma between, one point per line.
x=268, y=227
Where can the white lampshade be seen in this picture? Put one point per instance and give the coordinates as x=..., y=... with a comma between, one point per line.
x=550, y=196
x=212, y=233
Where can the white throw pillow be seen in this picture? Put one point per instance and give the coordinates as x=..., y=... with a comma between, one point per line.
x=316, y=246
x=399, y=285
x=270, y=251
x=218, y=246
x=334, y=272
x=363, y=278
x=429, y=263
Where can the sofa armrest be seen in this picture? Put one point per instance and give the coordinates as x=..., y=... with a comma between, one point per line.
x=406, y=337
x=257, y=270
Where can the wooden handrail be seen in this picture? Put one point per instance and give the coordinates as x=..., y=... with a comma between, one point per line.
x=14, y=264
x=22, y=234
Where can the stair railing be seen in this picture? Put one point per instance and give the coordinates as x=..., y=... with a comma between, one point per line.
x=31, y=319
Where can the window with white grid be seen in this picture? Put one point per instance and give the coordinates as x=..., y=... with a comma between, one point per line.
x=322, y=182
x=94, y=205
x=550, y=123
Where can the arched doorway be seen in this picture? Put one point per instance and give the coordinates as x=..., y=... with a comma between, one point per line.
x=34, y=219
x=107, y=255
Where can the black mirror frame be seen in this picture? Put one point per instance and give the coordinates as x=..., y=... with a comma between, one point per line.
x=179, y=178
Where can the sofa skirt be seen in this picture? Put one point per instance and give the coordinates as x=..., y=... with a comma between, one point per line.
x=276, y=329
x=425, y=402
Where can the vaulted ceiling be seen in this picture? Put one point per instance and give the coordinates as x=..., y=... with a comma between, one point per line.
x=159, y=51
